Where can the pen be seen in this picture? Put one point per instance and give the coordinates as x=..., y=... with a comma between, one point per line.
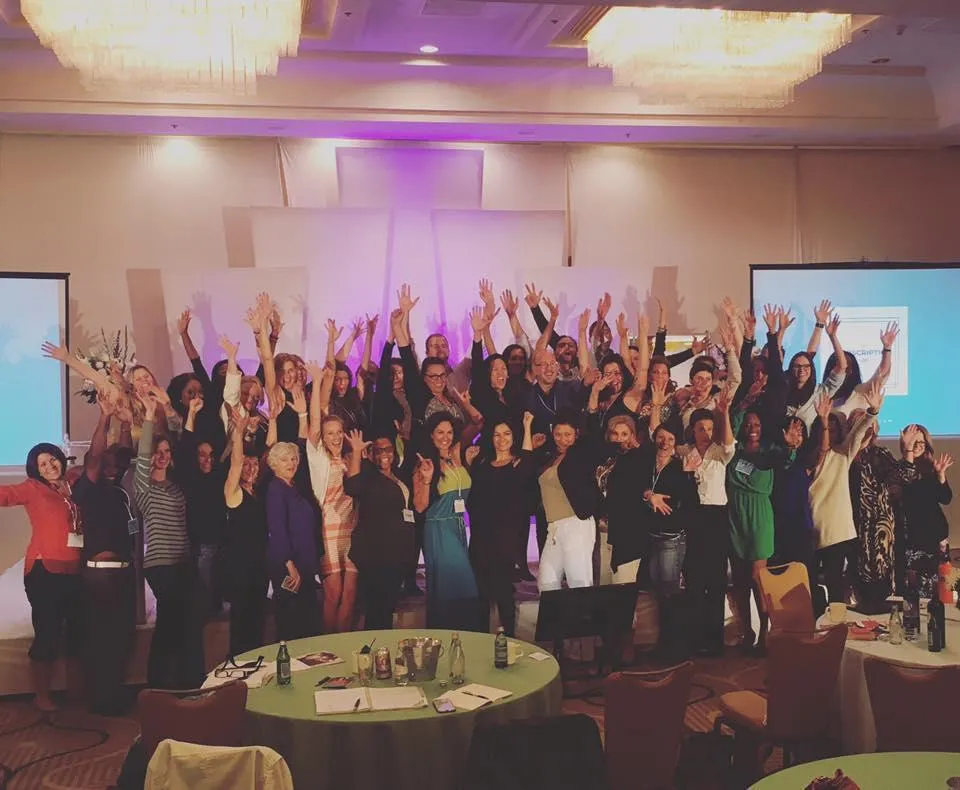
x=322, y=681
x=356, y=705
x=474, y=694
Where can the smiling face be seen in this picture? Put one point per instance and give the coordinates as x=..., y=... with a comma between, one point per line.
x=49, y=467
x=161, y=456
x=517, y=362
x=341, y=383
x=332, y=434
x=801, y=370
x=192, y=389
x=545, y=368
x=442, y=437
x=703, y=432
x=383, y=454
x=142, y=380
x=502, y=438
x=250, y=471
x=435, y=377
x=619, y=434
x=289, y=376
x=498, y=375
x=564, y=437
x=566, y=350
x=437, y=346
x=659, y=374
x=251, y=394
x=701, y=383
x=205, y=457
x=613, y=370
x=752, y=429
x=666, y=442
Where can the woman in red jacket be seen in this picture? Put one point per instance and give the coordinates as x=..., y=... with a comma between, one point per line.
x=52, y=564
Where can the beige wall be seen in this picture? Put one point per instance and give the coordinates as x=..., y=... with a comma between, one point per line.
x=113, y=211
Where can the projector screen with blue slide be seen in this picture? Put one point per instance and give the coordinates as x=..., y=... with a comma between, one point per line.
x=33, y=308
x=920, y=297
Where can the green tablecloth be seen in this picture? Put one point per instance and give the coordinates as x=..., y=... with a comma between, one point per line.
x=400, y=750
x=886, y=771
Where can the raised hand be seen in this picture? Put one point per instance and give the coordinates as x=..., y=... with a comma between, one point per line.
x=643, y=326
x=909, y=436
x=149, y=402
x=478, y=319
x=661, y=314
x=726, y=337
x=603, y=381
x=405, y=300
x=724, y=398
x=658, y=394
x=53, y=351
x=333, y=333
x=539, y=439
x=699, y=346
x=372, y=322
x=160, y=394
x=299, y=400
x=486, y=295
x=315, y=370
x=357, y=444
x=874, y=395
x=793, y=434
x=833, y=326
x=603, y=307
x=822, y=311
x=358, y=328
x=552, y=309
x=771, y=317
x=749, y=324
x=784, y=321
x=941, y=465
x=277, y=404
x=508, y=303
x=229, y=347
x=622, y=330
x=425, y=468
x=276, y=321
x=183, y=322
x=823, y=405
x=584, y=321
x=533, y=297
x=692, y=462
x=889, y=335
x=729, y=308
x=107, y=406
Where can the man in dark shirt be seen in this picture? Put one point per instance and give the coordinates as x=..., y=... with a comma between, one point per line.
x=109, y=577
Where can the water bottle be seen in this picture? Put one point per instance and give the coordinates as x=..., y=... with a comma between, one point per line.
x=500, y=650
x=895, y=627
x=283, y=665
x=458, y=661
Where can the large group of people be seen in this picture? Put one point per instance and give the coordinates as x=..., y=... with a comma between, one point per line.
x=272, y=485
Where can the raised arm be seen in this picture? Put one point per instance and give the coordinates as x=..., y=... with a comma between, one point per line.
x=839, y=373
x=887, y=338
x=822, y=313
x=141, y=475
x=548, y=334
x=372, y=322
x=93, y=463
x=78, y=366
x=510, y=304
x=183, y=329
x=823, y=405
x=231, y=488
x=319, y=398
x=583, y=348
x=333, y=335
x=490, y=311
x=533, y=298
x=355, y=331
x=854, y=439
x=623, y=334
x=258, y=319
x=725, y=437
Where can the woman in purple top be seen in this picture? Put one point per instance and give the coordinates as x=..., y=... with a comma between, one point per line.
x=291, y=547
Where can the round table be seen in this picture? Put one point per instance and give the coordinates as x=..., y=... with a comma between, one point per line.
x=887, y=771
x=403, y=749
x=857, y=731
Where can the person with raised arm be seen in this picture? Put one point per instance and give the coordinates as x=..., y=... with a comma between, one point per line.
x=803, y=392
x=565, y=348
x=383, y=540
x=852, y=395
x=441, y=485
x=242, y=560
x=176, y=650
x=242, y=397
x=346, y=401
x=517, y=354
x=763, y=388
x=498, y=513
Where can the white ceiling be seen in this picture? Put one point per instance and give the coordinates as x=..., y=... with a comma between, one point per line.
x=500, y=76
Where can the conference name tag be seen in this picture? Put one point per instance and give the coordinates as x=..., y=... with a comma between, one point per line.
x=75, y=540
x=133, y=526
x=459, y=506
x=408, y=515
x=744, y=467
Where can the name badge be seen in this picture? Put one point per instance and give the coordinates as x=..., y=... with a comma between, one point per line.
x=408, y=515
x=744, y=467
x=459, y=506
x=75, y=540
x=133, y=526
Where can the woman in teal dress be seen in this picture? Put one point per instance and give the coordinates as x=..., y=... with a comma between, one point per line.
x=440, y=488
x=750, y=477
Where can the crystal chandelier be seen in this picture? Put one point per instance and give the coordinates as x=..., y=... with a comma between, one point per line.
x=169, y=44
x=712, y=57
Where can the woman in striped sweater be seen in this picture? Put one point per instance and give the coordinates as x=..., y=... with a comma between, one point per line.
x=176, y=650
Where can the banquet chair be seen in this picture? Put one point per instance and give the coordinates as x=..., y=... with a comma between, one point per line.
x=192, y=767
x=802, y=670
x=210, y=717
x=913, y=706
x=537, y=754
x=643, y=725
x=785, y=592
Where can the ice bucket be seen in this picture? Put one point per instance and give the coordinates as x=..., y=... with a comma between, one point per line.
x=421, y=655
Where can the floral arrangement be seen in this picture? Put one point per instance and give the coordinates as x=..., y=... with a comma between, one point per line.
x=112, y=357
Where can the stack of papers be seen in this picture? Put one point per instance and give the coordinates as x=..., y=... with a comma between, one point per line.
x=332, y=701
x=474, y=695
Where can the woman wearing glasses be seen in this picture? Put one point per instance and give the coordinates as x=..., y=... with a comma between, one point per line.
x=803, y=392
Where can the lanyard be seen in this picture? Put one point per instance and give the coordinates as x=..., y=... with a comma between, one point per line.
x=656, y=475
x=551, y=409
x=72, y=509
x=126, y=502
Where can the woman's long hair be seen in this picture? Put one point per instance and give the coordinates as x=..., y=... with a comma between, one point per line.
x=429, y=449
x=854, y=377
x=925, y=462
x=797, y=397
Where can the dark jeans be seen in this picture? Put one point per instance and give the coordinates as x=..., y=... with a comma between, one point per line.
x=110, y=603
x=831, y=558
x=56, y=609
x=176, y=650
x=379, y=591
x=499, y=589
x=209, y=594
x=297, y=614
x=665, y=564
x=248, y=614
x=705, y=570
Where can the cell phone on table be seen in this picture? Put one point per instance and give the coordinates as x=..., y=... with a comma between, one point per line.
x=289, y=584
x=444, y=706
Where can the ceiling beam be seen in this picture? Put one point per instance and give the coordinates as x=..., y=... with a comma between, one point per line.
x=911, y=8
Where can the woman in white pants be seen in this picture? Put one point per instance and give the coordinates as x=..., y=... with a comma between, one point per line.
x=569, y=492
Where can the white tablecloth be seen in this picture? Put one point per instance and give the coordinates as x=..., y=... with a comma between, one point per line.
x=857, y=732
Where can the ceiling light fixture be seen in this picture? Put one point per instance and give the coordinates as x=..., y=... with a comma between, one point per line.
x=170, y=44
x=712, y=57
x=429, y=49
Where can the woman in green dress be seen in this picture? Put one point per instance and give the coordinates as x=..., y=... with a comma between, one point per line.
x=750, y=478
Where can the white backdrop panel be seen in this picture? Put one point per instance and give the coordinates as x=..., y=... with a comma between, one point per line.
x=492, y=244
x=219, y=299
x=344, y=252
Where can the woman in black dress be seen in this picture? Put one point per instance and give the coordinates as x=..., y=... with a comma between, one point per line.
x=498, y=510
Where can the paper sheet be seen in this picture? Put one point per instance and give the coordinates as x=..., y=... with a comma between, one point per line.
x=474, y=695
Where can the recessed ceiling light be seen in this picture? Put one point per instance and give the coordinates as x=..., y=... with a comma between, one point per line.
x=429, y=49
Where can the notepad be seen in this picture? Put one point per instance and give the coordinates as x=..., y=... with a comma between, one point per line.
x=334, y=701
x=474, y=695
